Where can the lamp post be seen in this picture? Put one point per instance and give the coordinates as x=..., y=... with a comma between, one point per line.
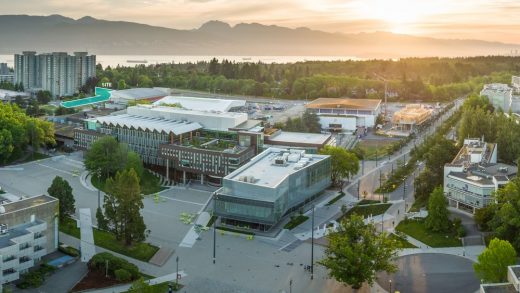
x=290, y=286
x=177, y=275
x=358, y=183
x=312, y=245
x=214, y=227
x=390, y=281
x=404, y=188
x=98, y=174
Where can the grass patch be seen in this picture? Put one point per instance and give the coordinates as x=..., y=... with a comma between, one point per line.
x=336, y=198
x=160, y=288
x=235, y=230
x=141, y=251
x=402, y=243
x=367, y=210
x=211, y=221
x=295, y=221
x=368, y=201
x=149, y=183
x=372, y=147
x=417, y=230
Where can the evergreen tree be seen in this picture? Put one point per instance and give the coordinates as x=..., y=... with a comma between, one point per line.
x=437, y=219
x=123, y=202
x=61, y=190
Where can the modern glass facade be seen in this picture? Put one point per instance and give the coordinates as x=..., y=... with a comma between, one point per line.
x=264, y=206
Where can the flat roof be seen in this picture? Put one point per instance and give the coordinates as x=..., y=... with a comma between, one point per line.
x=17, y=231
x=139, y=93
x=167, y=109
x=344, y=103
x=154, y=124
x=266, y=173
x=28, y=202
x=205, y=104
x=499, y=288
x=301, y=137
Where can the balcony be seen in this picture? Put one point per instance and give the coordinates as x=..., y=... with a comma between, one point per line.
x=24, y=259
x=9, y=258
x=38, y=248
x=38, y=235
x=8, y=272
x=24, y=246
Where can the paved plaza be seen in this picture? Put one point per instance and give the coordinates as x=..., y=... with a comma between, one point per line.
x=431, y=273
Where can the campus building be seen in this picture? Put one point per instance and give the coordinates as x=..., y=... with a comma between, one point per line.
x=499, y=95
x=121, y=99
x=271, y=186
x=511, y=286
x=474, y=175
x=57, y=72
x=28, y=231
x=345, y=114
x=310, y=142
x=411, y=117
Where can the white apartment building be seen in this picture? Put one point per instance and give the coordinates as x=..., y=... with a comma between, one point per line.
x=473, y=176
x=28, y=231
x=57, y=72
x=500, y=95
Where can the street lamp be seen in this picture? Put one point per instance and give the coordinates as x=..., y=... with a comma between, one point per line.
x=290, y=286
x=214, y=226
x=390, y=281
x=98, y=174
x=312, y=245
x=177, y=275
x=404, y=188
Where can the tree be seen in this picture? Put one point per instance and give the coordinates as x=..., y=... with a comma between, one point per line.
x=121, y=84
x=437, y=219
x=505, y=222
x=43, y=97
x=33, y=109
x=344, y=163
x=140, y=286
x=106, y=155
x=101, y=221
x=123, y=202
x=61, y=190
x=133, y=161
x=356, y=253
x=493, y=262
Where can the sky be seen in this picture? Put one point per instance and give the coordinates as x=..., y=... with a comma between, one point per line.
x=492, y=20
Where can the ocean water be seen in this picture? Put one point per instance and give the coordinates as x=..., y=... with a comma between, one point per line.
x=122, y=60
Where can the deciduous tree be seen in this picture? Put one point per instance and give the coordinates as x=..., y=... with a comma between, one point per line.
x=493, y=262
x=344, y=163
x=356, y=253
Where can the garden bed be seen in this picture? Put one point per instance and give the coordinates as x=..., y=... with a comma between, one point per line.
x=295, y=222
x=417, y=229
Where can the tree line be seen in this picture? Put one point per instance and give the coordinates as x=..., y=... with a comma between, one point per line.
x=426, y=79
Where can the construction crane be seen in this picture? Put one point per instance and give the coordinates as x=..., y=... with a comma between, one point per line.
x=380, y=77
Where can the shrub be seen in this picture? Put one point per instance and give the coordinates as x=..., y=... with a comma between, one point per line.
x=122, y=275
x=31, y=280
x=98, y=263
x=69, y=250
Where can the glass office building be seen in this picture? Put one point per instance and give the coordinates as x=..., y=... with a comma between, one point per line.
x=272, y=185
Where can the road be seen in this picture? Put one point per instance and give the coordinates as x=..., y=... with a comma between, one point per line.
x=368, y=178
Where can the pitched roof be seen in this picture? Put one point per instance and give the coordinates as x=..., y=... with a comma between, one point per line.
x=344, y=103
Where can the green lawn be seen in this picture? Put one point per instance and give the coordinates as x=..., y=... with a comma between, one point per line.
x=295, y=222
x=371, y=147
x=335, y=199
x=403, y=243
x=367, y=210
x=417, y=230
x=149, y=183
x=140, y=251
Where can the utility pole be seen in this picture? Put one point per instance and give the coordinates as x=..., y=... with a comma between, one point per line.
x=312, y=245
x=177, y=275
x=404, y=188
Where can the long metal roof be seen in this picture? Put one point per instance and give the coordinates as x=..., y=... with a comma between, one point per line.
x=152, y=124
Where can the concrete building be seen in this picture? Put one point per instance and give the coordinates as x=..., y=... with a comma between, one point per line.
x=500, y=95
x=310, y=142
x=57, y=72
x=345, y=114
x=210, y=105
x=474, y=174
x=4, y=69
x=411, y=117
x=5, y=74
x=271, y=186
x=512, y=285
x=7, y=96
x=515, y=82
x=28, y=231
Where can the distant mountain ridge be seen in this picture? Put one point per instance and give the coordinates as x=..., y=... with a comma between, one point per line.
x=58, y=33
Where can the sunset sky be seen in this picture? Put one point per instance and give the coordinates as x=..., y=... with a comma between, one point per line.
x=493, y=20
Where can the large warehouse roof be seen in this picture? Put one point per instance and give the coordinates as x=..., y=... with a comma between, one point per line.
x=344, y=103
x=203, y=104
x=153, y=124
x=139, y=93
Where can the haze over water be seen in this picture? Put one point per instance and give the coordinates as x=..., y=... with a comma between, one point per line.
x=114, y=60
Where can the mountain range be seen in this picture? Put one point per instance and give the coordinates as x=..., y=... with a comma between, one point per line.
x=58, y=33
